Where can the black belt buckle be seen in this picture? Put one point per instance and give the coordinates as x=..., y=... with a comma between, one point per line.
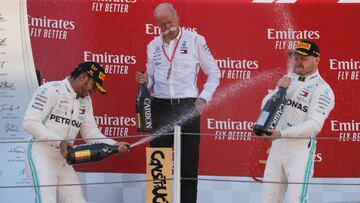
x=175, y=101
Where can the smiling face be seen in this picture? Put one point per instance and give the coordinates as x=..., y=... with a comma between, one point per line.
x=303, y=65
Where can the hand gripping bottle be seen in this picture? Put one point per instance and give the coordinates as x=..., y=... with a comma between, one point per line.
x=90, y=153
x=271, y=113
x=143, y=109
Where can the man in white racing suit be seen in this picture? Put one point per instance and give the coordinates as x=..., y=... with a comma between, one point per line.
x=55, y=115
x=309, y=101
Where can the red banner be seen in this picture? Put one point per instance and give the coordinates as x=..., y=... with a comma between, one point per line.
x=249, y=40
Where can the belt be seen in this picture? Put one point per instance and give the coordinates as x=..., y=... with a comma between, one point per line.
x=173, y=101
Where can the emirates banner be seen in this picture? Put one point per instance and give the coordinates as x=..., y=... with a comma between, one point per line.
x=249, y=40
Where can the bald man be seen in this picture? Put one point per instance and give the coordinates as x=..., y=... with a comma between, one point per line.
x=173, y=61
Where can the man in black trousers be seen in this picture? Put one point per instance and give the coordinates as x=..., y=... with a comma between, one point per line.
x=173, y=61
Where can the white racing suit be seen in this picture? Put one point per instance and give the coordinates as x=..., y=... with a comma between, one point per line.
x=54, y=114
x=309, y=101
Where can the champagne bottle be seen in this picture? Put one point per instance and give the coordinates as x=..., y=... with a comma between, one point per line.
x=89, y=153
x=271, y=113
x=143, y=109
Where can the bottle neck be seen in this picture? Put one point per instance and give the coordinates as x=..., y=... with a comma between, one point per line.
x=144, y=88
x=283, y=89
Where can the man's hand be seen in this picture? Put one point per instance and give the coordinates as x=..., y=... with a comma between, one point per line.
x=63, y=147
x=200, y=104
x=284, y=82
x=274, y=134
x=123, y=147
x=140, y=77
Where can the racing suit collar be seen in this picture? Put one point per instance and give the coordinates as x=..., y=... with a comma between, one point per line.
x=301, y=78
x=69, y=87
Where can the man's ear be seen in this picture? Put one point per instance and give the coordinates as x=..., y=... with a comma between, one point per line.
x=178, y=19
x=317, y=59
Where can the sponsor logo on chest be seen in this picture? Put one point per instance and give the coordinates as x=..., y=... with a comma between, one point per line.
x=184, y=48
x=297, y=105
x=65, y=121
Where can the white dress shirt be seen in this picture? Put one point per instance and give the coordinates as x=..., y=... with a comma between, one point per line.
x=180, y=81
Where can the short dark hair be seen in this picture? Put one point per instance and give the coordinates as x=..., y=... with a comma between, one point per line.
x=77, y=71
